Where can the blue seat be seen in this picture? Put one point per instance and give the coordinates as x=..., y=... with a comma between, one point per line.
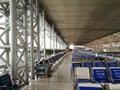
x=42, y=70
x=76, y=56
x=76, y=64
x=99, y=64
x=87, y=64
x=100, y=75
x=115, y=74
x=89, y=86
x=82, y=80
x=111, y=64
x=6, y=84
x=53, y=59
x=5, y=80
x=89, y=57
x=95, y=58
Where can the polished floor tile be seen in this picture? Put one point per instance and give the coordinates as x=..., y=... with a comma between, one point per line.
x=60, y=80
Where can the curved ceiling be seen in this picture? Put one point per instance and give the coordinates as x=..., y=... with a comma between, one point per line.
x=82, y=21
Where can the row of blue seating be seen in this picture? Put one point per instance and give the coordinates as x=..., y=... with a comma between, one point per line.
x=6, y=83
x=95, y=64
x=111, y=64
x=53, y=59
x=44, y=68
x=98, y=75
x=86, y=56
x=94, y=72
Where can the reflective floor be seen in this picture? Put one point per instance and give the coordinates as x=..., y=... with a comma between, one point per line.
x=60, y=80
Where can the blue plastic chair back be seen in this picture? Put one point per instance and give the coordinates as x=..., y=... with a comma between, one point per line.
x=115, y=74
x=89, y=88
x=100, y=75
x=87, y=64
x=5, y=80
x=111, y=64
x=99, y=64
x=76, y=65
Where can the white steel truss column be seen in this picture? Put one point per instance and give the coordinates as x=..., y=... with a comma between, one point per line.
x=34, y=35
x=21, y=41
x=26, y=43
x=55, y=39
x=31, y=38
x=53, y=33
x=50, y=37
x=58, y=42
x=19, y=49
x=44, y=35
x=13, y=28
x=4, y=34
x=38, y=31
x=62, y=44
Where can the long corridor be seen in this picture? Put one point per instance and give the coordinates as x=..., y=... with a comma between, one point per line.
x=60, y=80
